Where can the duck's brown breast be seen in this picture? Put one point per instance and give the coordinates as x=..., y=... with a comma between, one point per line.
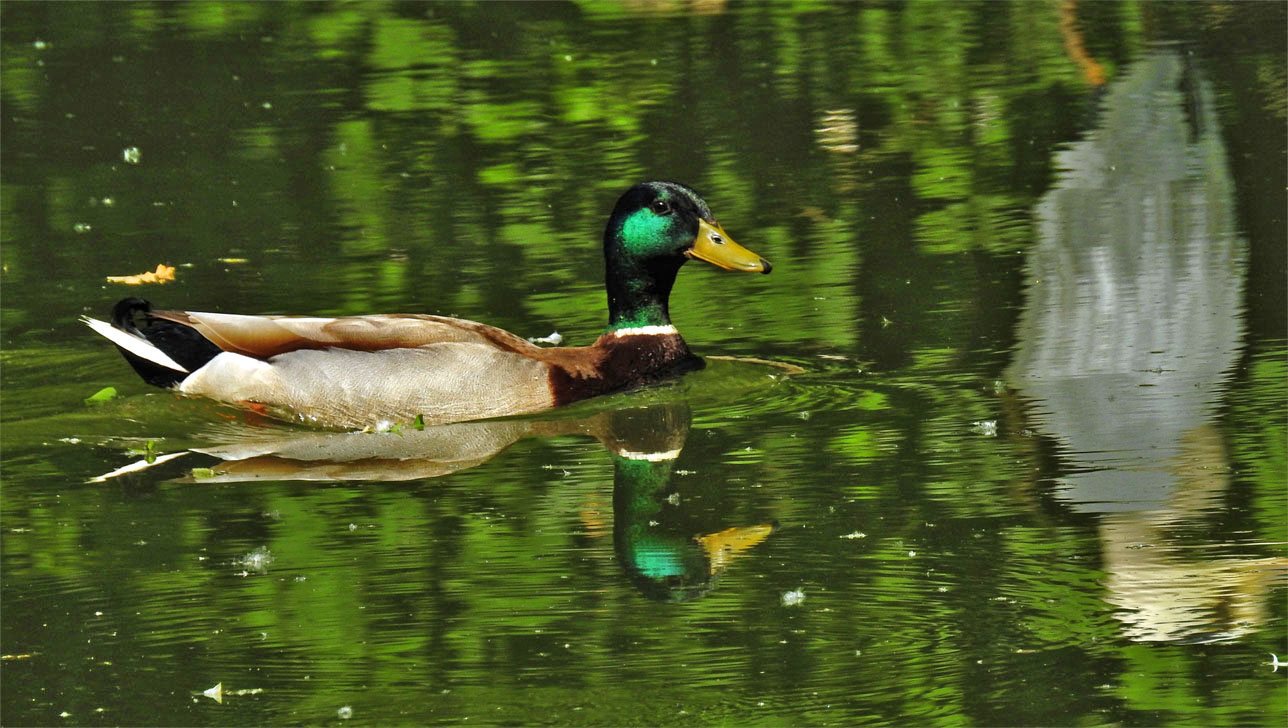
x=618, y=362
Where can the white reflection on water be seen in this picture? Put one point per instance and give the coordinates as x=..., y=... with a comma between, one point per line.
x=1133, y=323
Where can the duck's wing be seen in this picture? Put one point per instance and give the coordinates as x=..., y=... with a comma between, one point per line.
x=266, y=336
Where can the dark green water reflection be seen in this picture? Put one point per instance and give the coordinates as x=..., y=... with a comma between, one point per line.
x=1030, y=257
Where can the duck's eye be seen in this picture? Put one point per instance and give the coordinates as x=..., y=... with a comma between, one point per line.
x=661, y=207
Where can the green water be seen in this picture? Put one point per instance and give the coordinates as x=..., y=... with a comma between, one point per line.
x=1032, y=471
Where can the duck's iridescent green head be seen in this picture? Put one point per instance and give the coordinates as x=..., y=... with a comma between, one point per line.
x=654, y=229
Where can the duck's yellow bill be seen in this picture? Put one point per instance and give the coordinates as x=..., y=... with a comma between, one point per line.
x=717, y=248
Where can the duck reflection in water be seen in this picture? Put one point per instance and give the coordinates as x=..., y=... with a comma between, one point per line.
x=1132, y=326
x=669, y=552
x=665, y=556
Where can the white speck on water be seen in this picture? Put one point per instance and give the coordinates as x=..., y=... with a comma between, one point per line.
x=257, y=560
x=554, y=339
x=673, y=499
x=987, y=428
x=912, y=553
x=108, y=202
x=267, y=104
x=793, y=598
x=40, y=45
x=82, y=227
x=855, y=534
x=345, y=713
x=131, y=155
x=353, y=526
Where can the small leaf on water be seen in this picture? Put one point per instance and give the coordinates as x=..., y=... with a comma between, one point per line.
x=103, y=395
x=200, y=473
x=419, y=422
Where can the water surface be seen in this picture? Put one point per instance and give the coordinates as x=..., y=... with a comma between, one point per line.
x=1028, y=260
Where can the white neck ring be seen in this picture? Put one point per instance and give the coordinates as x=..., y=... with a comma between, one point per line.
x=666, y=330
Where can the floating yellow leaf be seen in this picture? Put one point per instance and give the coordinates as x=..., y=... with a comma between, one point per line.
x=162, y=274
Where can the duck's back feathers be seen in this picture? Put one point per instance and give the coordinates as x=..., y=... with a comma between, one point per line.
x=265, y=336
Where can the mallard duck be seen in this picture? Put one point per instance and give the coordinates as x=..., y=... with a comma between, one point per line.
x=361, y=371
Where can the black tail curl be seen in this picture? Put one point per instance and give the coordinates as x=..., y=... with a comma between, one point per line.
x=181, y=343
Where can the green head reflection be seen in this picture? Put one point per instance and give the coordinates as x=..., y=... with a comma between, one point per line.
x=668, y=550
